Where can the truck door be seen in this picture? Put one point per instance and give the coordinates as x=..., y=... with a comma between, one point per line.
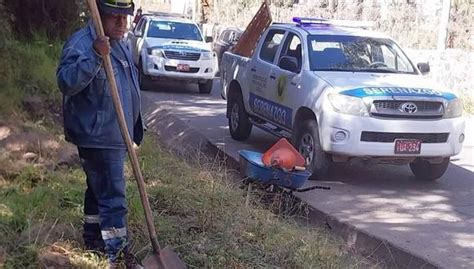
x=261, y=74
x=287, y=90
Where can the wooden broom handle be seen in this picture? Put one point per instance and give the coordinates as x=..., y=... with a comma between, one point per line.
x=123, y=128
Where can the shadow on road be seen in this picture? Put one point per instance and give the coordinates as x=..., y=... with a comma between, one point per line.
x=175, y=87
x=399, y=175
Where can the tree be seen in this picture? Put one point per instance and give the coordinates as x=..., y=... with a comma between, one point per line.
x=443, y=26
x=53, y=18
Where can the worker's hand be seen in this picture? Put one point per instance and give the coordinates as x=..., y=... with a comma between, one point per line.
x=101, y=45
x=136, y=147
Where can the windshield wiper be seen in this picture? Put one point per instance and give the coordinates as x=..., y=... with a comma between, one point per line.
x=337, y=69
x=376, y=70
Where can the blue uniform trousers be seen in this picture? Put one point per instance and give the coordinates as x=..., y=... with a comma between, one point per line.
x=105, y=206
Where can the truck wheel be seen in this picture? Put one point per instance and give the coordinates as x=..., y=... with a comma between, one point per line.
x=239, y=124
x=143, y=79
x=424, y=170
x=307, y=142
x=206, y=87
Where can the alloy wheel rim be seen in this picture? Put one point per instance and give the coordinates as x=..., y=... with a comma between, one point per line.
x=306, y=147
x=234, y=117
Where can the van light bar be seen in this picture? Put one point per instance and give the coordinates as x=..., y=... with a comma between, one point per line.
x=346, y=23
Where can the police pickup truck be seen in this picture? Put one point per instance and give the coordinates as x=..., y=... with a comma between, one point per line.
x=167, y=47
x=342, y=92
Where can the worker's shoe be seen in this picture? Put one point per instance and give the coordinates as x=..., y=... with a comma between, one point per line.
x=129, y=261
x=96, y=245
x=92, y=235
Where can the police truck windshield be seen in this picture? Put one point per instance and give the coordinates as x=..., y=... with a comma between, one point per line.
x=357, y=54
x=173, y=30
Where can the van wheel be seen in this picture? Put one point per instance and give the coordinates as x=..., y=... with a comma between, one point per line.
x=424, y=170
x=307, y=142
x=239, y=124
x=206, y=87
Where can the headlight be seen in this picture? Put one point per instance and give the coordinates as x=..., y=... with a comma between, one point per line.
x=348, y=104
x=206, y=56
x=453, y=109
x=155, y=52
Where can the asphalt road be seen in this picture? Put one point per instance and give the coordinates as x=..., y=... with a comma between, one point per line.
x=433, y=220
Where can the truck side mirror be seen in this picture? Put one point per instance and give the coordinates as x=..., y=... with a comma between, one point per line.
x=137, y=33
x=209, y=39
x=289, y=63
x=424, y=68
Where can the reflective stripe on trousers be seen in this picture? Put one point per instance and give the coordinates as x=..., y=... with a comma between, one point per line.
x=112, y=233
x=92, y=219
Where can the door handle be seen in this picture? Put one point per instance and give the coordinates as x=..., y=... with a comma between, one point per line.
x=253, y=69
x=272, y=77
x=293, y=83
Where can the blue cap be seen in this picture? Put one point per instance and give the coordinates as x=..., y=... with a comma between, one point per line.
x=124, y=7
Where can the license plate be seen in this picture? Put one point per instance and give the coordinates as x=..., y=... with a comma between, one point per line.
x=182, y=67
x=407, y=146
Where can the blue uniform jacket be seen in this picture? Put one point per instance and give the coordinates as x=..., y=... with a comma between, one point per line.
x=90, y=119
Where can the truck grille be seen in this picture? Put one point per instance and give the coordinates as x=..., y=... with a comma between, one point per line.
x=173, y=69
x=391, y=137
x=182, y=55
x=407, y=109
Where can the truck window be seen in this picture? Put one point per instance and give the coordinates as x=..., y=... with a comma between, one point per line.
x=357, y=54
x=320, y=46
x=292, y=47
x=139, y=26
x=142, y=26
x=271, y=44
x=390, y=57
x=234, y=37
x=225, y=36
x=173, y=30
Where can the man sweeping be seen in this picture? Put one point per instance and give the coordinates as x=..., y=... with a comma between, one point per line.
x=90, y=122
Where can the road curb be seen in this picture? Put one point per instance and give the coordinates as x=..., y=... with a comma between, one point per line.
x=177, y=136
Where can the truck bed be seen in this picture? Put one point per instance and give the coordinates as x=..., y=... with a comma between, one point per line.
x=233, y=67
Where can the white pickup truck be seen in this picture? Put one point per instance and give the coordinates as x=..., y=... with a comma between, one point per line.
x=340, y=93
x=169, y=48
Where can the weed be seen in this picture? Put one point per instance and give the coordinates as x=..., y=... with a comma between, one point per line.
x=27, y=69
x=197, y=212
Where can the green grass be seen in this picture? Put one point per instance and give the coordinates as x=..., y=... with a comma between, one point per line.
x=204, y=218
x=197, y=212
x=27, y=69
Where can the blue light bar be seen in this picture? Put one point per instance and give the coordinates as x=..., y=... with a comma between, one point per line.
x=300, y=21
x=309, y=21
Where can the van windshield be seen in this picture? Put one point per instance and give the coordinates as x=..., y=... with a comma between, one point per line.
x=357, y=54
x=174, y=30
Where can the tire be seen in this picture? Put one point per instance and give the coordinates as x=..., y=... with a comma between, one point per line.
x=239, y=124
x=424, y=170
x=143, y=79
x=307, y=142
x=206, y=87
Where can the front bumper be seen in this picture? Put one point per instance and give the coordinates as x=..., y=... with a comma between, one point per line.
x=332, y=122
x=160, y=68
